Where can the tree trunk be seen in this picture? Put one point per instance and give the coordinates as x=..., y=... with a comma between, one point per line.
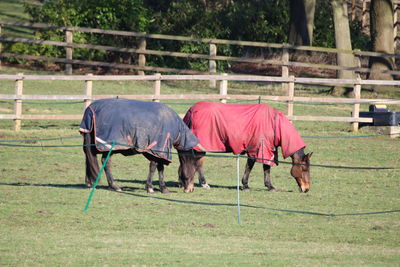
x=343, y=41
x=301, y=21
x=381, y=16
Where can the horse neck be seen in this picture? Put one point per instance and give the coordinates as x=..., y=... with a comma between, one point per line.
x=286, y=136
x=298, y=155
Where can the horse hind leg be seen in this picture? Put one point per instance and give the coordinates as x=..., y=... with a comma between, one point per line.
x=199, y=169
x=107, y=168
x=163, y=186
x=245, y=180
x=149, y=181
x=92, y=165
x=267, y=178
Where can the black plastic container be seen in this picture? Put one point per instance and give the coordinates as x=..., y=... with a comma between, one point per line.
x=380, y=117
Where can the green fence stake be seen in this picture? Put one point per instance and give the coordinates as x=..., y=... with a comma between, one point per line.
x=98, y=178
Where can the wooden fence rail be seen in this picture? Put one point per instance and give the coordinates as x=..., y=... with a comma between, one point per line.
x=141, y=51
x=223, y=95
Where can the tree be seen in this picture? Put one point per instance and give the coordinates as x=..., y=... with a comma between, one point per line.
x=381, y=26
x=342, y=40
x=301, y=21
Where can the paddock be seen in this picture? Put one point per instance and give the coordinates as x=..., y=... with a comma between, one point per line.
x=350, y=216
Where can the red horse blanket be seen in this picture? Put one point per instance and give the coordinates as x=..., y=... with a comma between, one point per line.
x=137, y=125
x=253, y=129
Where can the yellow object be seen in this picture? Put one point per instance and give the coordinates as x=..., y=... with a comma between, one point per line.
x=381, y=106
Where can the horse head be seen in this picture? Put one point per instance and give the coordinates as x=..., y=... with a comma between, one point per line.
x=301, y=171
x=190, y=161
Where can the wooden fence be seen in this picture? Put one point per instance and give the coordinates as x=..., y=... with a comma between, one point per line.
x=223, y=95
x=141, y=51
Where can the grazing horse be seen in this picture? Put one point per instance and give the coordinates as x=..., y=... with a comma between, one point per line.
x=135, y=127
x=256, y=130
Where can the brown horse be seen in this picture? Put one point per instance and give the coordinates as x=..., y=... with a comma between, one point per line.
x=255, y=130
x=134, y=127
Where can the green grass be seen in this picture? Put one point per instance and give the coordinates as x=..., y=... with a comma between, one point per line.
x=42, y=197
x=13, y=10
x=42, y=200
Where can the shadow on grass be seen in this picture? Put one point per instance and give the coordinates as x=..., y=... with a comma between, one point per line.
x=127, y=191
x=73, y=186
x=197, y=185
x=257, y=207
x=174, y=184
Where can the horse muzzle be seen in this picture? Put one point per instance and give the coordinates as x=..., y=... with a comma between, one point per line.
x=304, y=188
x=189, y=188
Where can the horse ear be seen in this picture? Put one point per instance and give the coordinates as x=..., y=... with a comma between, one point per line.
x=309, y=155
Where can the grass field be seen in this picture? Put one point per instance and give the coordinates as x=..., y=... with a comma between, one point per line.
x=350, y=217
x=13, y=10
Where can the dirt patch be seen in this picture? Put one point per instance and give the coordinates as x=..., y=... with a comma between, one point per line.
x=6, y=110
x=33, y=110
x=207, y=225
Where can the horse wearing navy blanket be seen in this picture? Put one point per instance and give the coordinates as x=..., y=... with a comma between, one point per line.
x=135, y=127
x=255, y=130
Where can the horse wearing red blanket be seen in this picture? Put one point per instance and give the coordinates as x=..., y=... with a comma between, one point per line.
x=256, y=130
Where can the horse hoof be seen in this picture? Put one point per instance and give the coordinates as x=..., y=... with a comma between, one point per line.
x=206, y=186
x=246, y=189
x=272, y=189
x=150, y=190
x=165, y=191
x=116, y=188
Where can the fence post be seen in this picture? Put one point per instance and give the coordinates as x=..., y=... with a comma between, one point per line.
x=357, y=62
x=291, y=96
x=213, y=64
x=157, y=87
x=285, y=67
x=88, y=92
x=223, y=89
x=142, y=57
x=356, y=106
x=19, y=87
x=69, y=39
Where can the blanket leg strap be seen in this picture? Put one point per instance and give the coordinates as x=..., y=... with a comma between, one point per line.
x=98, y=178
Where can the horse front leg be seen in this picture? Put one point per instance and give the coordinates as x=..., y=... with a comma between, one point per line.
x=163, y=186
x=267, y=178
x=249, y=166
x=149, y=182
x=199, y=169
x=107, y=168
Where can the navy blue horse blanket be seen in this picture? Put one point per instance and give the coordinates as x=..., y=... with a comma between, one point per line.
x=140, y=126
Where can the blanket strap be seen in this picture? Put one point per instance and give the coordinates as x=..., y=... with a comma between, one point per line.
x=276, y=160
